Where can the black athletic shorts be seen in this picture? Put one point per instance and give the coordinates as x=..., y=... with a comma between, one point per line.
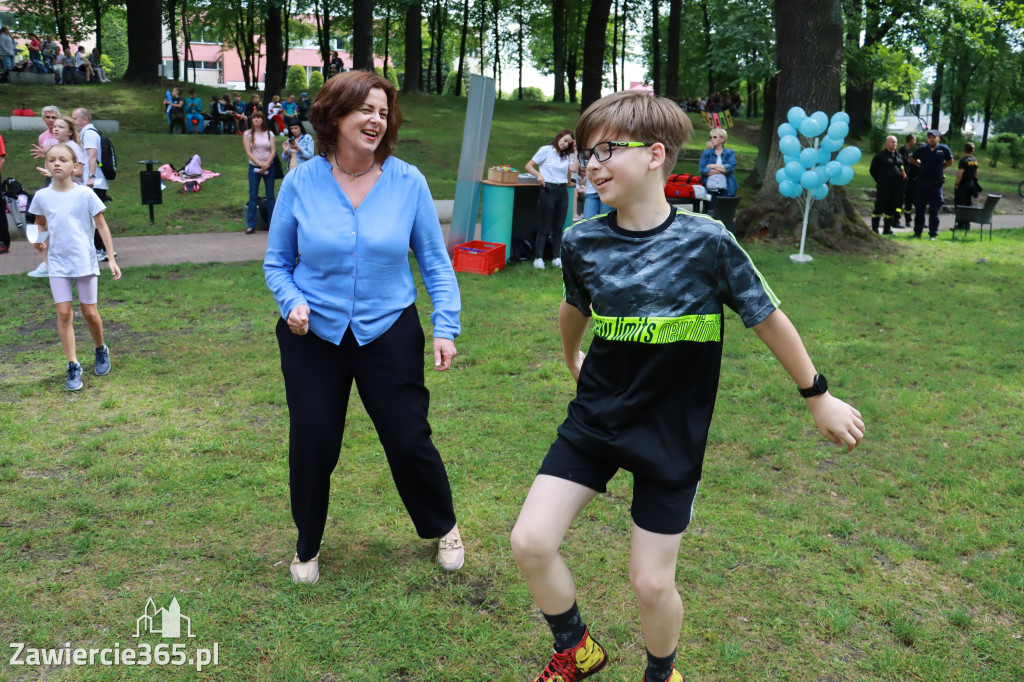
x=657, y=506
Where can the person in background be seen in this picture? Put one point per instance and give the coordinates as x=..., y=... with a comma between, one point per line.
x=304, y=106
x=550, y=165
x=97, y=68
x=5, y=235
x=227, y=118
x=176, y=112
x=909, y=185
x=241, y=119
x=931, y=159
x=7, y=49
x=194, y=119
x=887, y=172
x=260, y=148
x=966, y=186
x=274, y=110
x=336, y=63
x=83, y=65
x=94, y=177
x=59, y=62
x=46, y=139
x=353, y=318
x=290, y=111
x=253, y=105
x=717, y=165
x=298, y=148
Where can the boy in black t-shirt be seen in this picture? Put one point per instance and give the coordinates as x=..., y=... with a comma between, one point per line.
x=655, y=281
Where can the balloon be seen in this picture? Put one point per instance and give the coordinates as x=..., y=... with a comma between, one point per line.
x=833, y=168
x=844, y=176
x=786, y=129
x=848, y=156
x=795, y=115
x=821, y=118
x=789, y=145
x=824, y=156
x=809, y=156
x=810, y=128
x=789, y=158
x=789, y=189
x=841, y=116
x=820, y=192
x=810, y=180
x=780, y=176
x=794, y=169
x=838, y=130
x=831, y=144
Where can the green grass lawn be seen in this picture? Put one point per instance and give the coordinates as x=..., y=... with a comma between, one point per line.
x=168, y=478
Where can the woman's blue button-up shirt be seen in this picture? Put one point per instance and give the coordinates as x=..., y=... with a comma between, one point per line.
x=351, y=266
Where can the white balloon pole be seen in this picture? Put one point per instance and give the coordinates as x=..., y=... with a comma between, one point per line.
x=808, y=198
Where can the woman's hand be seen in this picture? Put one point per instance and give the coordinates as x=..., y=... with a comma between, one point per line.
x=298, y=320
x=444, y=353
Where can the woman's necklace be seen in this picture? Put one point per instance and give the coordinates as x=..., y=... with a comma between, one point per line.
x=353, y=176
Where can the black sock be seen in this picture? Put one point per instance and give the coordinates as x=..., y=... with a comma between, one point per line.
x=659, y=669
x=568, y=628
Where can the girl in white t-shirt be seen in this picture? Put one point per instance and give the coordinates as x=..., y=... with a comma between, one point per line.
x=66, y=211
x=550, y=165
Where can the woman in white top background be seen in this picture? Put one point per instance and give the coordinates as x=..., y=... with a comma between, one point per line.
x=550, y=165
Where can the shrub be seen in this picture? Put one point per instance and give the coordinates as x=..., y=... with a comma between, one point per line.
x=296, y=78
x=450, y=80
x=1016, y=152
x=316, y=81
x=1006, y=138
x=107, y=64
x=996, y=151
x=876, y=138
x=392, y=76
x=529, y=94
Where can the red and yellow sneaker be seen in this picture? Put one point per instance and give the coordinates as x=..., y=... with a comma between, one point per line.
x=676, y=676
x=583, y=660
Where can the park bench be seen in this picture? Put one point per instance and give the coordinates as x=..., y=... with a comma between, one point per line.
x=978, y=214
x=38, y=125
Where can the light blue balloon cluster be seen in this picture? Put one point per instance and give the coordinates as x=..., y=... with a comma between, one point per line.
x=813, y=168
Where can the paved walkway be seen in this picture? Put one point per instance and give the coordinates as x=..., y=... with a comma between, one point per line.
x=226, y=247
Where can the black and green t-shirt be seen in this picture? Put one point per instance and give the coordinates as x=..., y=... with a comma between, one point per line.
x=647, y=388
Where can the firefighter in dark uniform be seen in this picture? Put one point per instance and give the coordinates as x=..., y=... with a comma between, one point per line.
x=966, y=186
x=887, y=172
x=911, y=182
x=931, y=160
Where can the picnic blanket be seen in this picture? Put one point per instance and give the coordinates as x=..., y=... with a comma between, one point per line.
x=168, y=173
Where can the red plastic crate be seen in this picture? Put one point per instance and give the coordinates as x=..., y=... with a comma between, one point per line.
x=483, y=258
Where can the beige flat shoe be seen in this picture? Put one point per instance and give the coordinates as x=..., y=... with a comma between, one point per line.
x=451, y=553
x=306, y=571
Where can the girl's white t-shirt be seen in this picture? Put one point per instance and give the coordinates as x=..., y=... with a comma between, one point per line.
x=552, y=167
x=69, y=222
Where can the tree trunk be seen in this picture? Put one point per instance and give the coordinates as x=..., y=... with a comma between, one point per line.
x=186, y=50
x=615, y=46
x=462, y=48
x=656, y=47
x=413, y=49
x=61, y=20
x=431, y=31
x=144, y=25
x=809, y=45
x=362, y=35
x=520, y=47
x=672, y=65
x=988, y=108
x=593, y=51
x=286, y=20
x=622, y=65
x=97, y=14
x=764, y=146
x=387, y=40
x=441, y=12
x=273, y=29
x=940, y=70
x=323, y=31
x=558, y=23
x=496, y=6
x=707, y=45
x=172, y=26
x=572, y=61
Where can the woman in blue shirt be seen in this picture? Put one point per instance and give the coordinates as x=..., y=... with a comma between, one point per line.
x=298, y=148
x=338, y=265
x=717, y=165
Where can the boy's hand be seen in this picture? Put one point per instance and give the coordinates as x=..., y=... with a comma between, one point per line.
x=839, y=422
x=575, y=365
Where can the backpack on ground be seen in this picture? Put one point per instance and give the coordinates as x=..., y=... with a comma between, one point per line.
x=681, y=186
x=262, y=219
x=190, y=186
x=194, y=167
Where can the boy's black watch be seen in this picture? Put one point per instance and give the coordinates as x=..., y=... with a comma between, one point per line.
x=818, y=387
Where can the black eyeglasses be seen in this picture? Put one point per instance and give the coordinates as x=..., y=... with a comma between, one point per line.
x=603, y=151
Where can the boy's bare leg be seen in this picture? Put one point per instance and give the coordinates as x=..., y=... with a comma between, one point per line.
x=652, y=573
x=91, y=313
x=547, y=513
x=66, y=330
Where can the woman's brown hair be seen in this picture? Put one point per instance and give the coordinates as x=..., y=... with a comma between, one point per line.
x=342, y=95
x=563, y=153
